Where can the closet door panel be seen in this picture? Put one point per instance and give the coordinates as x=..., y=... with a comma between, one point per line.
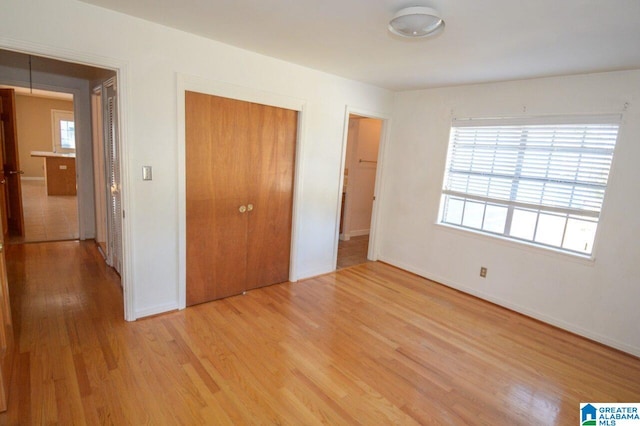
x=216, y=182
x=272, y=166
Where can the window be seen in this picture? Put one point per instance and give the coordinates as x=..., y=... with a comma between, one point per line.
x=67, y=135
x=64, y=135
x=537, y=182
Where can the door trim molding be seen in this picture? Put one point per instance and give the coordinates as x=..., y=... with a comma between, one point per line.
x=373, y=253
x=186, y=82
x=121, y=69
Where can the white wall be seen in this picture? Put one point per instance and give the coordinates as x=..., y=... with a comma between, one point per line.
x=152, y=57
x=600, y=299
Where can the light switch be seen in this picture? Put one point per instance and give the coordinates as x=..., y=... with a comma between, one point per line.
x=146, y=173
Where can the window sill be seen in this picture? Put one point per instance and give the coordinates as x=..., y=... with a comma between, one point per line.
x=588, y=260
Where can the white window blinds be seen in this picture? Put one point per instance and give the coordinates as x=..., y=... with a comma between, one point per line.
x=532, y=182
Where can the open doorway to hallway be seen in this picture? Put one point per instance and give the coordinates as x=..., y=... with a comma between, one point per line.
x=359, y=180
x=67, y=193
x=69, y=154
x=98, y=168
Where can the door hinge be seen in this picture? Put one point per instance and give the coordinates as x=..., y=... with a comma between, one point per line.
x=123, y=214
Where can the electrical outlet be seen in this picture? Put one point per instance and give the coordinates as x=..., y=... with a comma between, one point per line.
x=483, y=272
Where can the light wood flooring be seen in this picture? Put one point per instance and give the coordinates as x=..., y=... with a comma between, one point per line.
x=368, y=345
x=353, y=251
x=47, y=217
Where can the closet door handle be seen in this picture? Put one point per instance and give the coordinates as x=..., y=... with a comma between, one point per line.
x=249, y=207
x=242, y=209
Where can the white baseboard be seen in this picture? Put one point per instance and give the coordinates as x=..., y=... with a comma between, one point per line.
x=575, y=329
x=310, y=273
x=357, y=233
x=31, y=178
x=155, y=310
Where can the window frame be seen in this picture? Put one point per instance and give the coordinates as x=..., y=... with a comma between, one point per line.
x=570, y=215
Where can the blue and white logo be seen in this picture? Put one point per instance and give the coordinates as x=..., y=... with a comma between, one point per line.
x=609, y=414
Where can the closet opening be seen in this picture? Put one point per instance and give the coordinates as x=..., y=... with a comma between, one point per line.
x=358, y=190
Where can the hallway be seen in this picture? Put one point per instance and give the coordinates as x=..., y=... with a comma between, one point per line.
x=66, y=303
x=353, y=251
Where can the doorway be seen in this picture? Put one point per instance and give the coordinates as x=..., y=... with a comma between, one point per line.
x=44, y=73
x=46, y=150
x=358, y=189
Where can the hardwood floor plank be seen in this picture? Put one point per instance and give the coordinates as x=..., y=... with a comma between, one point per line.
x=191, y=358
x=84, y=387
x=20, y=401
x=370, y=344
x=328, y=408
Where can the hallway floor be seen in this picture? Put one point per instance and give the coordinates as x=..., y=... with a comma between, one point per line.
x=47, y=217
x=353, y=251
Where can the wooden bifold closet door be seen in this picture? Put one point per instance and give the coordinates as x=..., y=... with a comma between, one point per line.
x=239, y=192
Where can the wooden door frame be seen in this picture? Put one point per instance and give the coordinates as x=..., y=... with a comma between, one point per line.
x=373, y=252
x=122, y=75
x=197, y=84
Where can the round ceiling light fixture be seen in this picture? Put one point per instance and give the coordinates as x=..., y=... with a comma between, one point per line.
x=416, y=22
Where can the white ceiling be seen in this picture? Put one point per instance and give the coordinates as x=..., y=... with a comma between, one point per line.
x=484, y=40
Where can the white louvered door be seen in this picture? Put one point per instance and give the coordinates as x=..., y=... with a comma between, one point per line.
x=112, y=156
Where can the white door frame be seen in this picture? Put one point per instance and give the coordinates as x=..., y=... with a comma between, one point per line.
x=217, y=88
x=122, y=75
x=372, y=254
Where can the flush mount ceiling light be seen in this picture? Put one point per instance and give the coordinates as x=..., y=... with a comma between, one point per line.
x=416, y=22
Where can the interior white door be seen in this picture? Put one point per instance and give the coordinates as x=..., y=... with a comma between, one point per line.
x=99, y=175
x=112, y=156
